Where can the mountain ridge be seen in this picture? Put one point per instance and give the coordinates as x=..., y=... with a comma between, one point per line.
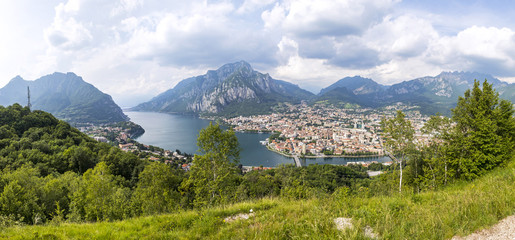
x=237, y=89
x=432, y=94
x=65, y=95
x=227, y=90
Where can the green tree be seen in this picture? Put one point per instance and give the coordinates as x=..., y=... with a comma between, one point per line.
x=437, y=170
x=80, y=158
x=398, y=135
x=484, y=136
x=158, y=189
x=258, y=184
x=100, y=196
x=214, y=175
x=56, y=194
x=21, y=194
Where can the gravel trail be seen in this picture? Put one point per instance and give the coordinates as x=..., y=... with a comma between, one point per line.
x=504, y=230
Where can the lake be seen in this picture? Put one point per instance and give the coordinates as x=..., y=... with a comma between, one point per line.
x=174, y=131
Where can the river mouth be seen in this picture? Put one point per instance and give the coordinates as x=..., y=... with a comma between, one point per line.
x=175, y=131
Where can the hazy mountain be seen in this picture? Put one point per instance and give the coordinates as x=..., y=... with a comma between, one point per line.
x=339, y=97
x=433, y=94
x=439, y=93
x=66, y=96
x=356, y=90
x=233, y=89
x=507, y=92
x=358, y=85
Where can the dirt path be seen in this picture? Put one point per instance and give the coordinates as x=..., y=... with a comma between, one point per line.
x=504, y=230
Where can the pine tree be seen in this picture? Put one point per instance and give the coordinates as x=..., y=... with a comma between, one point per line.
x=484, y=134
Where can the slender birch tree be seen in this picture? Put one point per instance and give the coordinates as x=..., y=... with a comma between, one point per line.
x=398, y=135
x=214, y=171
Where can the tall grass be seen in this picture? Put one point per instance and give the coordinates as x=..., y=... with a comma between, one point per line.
x=457, y=210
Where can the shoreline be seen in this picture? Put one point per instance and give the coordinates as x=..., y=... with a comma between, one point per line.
x=325, y=156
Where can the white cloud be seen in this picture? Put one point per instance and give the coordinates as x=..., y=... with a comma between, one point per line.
x=287, y=48
x=252, y=5
x=316, y=18
x=274, y=17
x=126, y=6
x=310, y=73
x=66, y=33
x=131, y=47
x=72, y=6
x=354, y=53
x=404, y=36
x=484, y=49
x=206, y=35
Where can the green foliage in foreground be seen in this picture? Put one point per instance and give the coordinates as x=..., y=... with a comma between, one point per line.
x=456, y=210
x=51, y=172
x=479, y=138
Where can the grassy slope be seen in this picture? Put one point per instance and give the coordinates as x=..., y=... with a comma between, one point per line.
x=458, y=210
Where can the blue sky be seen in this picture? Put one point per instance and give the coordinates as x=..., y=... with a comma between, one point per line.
x=136, y=49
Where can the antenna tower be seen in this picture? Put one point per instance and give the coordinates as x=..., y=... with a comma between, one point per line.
x=28, y=98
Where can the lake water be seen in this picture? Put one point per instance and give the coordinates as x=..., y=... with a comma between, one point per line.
x=173, y=131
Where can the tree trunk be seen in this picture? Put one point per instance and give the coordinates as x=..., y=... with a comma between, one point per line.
x=434, y=176
x=214, y=178
x=445, y=180
x=400, y=179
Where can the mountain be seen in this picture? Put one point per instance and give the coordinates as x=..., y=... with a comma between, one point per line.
x=233, y=89
x=507, y=92
x=65, y=95
x=356, y=90
x=433, y=94
x=439, y=93
x=339, y=97
x=358, y=85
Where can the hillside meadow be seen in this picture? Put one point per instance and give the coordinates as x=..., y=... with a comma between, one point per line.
x=459, y=209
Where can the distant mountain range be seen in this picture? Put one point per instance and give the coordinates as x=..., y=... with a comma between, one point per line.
x=432, y=94
x=233, y=89
x=65, y=95
x=236, y=89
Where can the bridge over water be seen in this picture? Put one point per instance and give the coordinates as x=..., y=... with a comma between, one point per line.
x=297, y=160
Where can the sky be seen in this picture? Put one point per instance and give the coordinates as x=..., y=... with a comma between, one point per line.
x=136, y=49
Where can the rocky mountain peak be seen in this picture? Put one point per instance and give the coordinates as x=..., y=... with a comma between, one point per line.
x=234, y=88
x=226, y=70
x=233, y=67
x=468, y=77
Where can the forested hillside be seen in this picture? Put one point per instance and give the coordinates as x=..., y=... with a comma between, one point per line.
x=65, y=95
x=51, y=172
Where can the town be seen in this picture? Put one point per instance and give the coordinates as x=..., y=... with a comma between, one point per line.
x=322, y=130
x=122, y=135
